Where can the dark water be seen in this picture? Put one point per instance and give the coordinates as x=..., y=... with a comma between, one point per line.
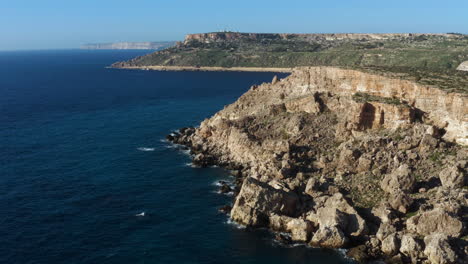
x=72, y=176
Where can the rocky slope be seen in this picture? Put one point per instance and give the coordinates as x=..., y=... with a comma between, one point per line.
x=346, y=159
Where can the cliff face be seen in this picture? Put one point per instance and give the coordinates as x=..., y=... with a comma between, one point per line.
x=447, y=111
x=237, y=36
x=345, y=159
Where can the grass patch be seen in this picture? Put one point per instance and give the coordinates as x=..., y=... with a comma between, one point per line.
x=365, y=98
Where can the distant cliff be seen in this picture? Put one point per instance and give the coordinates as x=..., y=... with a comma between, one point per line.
x=238, y=36
x=429, y=59
x=130, y=45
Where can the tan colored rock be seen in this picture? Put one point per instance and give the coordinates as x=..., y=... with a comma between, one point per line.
x=400, y=201
x=438, y=250
x=400, y=179
x=330, y=216
x=279, y=222
x=452, y=177
x=312, y=187
x=385, y=229
x=383, y=212
x=411, y=247
x=435, y=221
x=329, y=237
x=463, y=66
x=391, y=244
x=256, y=200
x=364, y=164
x=356, y=225
x=300, y=229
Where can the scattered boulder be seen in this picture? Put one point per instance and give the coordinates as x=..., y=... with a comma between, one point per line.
x=312, y=186
x=330, y=216
x=391, y=244
x=411, y=247
x=358, y=253
x=400, y=201
x=385, y=230
x=437, y=220
x=452, y=177
x=400, y=179
x=355, y=224
x=383, y=212
x=256, y=200
x=300, y=229
x=438, y=250
x=329, y=237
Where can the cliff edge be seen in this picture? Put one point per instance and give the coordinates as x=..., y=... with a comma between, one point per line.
x=341, y=158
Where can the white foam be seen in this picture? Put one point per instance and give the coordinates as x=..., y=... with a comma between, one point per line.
x=190, y=164
x=145, y=149
x=236, y=225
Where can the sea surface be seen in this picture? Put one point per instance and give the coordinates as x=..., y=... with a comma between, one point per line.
x=82, y=153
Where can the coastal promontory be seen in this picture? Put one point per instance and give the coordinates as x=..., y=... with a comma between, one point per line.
x=341, y=158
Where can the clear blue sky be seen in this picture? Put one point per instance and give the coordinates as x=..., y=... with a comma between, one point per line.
x=51, y=24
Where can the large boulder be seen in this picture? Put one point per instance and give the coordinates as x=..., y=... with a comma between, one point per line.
x=312, y=187
x=437, y=220
x=329, y=237
x=400, y=201
x=385, y=229
x=300, y=229
x=390, y=245
x=400, y=179
x=257, y=200
x=355, y=224
x=452, y=177
x=438, y=249
x=411, y=247
x=330, y=216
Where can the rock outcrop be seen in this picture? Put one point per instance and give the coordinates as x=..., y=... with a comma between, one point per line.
x=344, y=159
x=463, y=66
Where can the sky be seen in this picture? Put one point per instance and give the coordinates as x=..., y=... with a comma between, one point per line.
x=65, y=24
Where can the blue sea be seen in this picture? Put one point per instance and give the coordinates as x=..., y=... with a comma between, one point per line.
x=82, y=153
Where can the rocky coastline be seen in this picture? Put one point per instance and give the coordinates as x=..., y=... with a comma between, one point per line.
x=202, y=68
x=344, y=159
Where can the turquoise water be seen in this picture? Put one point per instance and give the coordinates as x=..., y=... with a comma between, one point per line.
x=82, y=154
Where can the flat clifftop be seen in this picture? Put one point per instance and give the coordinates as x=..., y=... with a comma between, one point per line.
x=429, y=59
x=233, y=36
x=339, y=158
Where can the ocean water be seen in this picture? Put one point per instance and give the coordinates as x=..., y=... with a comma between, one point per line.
x=82, y=153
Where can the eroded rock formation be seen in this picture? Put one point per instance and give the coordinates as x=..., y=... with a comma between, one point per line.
x=345, y=159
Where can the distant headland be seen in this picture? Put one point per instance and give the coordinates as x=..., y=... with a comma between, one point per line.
x=129, y=45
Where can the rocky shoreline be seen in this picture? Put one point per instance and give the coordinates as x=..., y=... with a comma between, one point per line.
x=337, y=166
x=193, y=68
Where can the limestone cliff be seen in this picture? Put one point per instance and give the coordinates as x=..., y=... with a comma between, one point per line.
x=345, y=159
